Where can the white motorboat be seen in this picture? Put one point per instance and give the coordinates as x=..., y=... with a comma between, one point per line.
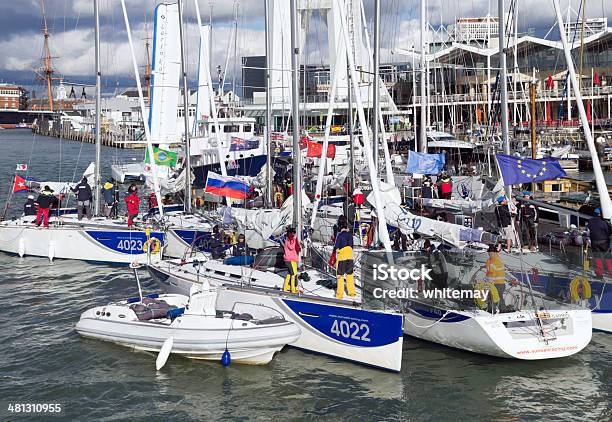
x=252, y=334
x=330, y=326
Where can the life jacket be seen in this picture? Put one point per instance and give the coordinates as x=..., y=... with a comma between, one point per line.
x=132, y=201
x=496, y=272
x=446, y=186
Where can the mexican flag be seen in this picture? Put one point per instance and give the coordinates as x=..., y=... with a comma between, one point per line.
x=162, y=157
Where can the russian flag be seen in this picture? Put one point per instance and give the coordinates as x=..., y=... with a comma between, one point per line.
x=227, y=186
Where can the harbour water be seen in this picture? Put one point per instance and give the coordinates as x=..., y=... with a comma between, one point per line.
x=43, y=360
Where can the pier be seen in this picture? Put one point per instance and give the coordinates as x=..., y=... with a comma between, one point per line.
x=110, y=136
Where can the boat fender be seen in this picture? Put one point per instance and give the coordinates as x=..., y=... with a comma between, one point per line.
x=152, y=246
x=226, y=358
x=174, y=313
x=51, y=251
x=580, y=288
x=22, y=247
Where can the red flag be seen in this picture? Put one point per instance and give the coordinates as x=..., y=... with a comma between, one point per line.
x=588, y=111
x=315, y=149
x=19, y=184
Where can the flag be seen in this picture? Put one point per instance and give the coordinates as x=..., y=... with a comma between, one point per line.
x=239, y=144
x=22, y=167
x=516, y=170
x=162, y=157
x=315, y=149
x=422, y=163
x=596, y=79
x=230, y=187
x=19, y=184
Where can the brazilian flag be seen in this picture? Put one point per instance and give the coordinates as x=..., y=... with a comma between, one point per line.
x=162, y=157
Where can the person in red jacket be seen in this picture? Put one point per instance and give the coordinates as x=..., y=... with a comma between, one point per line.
x=132, y=201
x=152, y=200
x=445, y=185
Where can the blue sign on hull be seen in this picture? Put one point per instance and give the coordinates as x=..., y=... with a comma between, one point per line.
x=125, y=242
x=356, y=327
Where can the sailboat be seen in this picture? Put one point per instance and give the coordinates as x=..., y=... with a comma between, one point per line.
x=586, y=287
x=68, y=239
x=340, y=328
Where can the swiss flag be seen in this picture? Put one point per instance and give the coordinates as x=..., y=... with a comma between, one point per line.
x=19, y=184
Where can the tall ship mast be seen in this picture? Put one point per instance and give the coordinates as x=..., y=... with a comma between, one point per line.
x=46, y=72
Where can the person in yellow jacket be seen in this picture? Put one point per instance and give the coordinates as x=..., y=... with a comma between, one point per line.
x=496, y=272
x=344, y=265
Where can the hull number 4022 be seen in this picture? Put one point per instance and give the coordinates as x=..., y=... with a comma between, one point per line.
x=351, y=330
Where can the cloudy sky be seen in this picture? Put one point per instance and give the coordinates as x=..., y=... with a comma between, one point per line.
x=72, y=41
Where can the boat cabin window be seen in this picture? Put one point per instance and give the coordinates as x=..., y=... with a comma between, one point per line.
x=247, y=128
x=231, y=128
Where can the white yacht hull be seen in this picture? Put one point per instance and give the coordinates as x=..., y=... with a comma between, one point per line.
x=338, y=328
x=513, y=335
x=69, y=242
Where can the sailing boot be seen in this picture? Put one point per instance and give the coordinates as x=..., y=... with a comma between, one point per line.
x=293, y=284
x=286, y=286
x=340, y=288
x=350, y=285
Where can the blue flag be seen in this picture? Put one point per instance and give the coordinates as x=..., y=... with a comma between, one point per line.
x=517, y=170
x=422, y=163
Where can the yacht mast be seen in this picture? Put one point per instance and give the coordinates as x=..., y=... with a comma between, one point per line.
x=376, y=90
x=147, y=129
x=96, y=196
x=503, y=79
x=185, y=113
x=297, y=169
x=423, y=130
x=269, y=194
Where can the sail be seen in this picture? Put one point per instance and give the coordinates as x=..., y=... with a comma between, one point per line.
x=166, y=69
x=63, y=187
x=454, y=234
x=203, y=101
x=175, y=182
x=265, y=224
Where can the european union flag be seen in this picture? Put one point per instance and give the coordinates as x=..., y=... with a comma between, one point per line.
x=422, y=163
x=517, y=170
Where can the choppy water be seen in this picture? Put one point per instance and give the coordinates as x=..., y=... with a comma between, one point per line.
x=42, y=359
